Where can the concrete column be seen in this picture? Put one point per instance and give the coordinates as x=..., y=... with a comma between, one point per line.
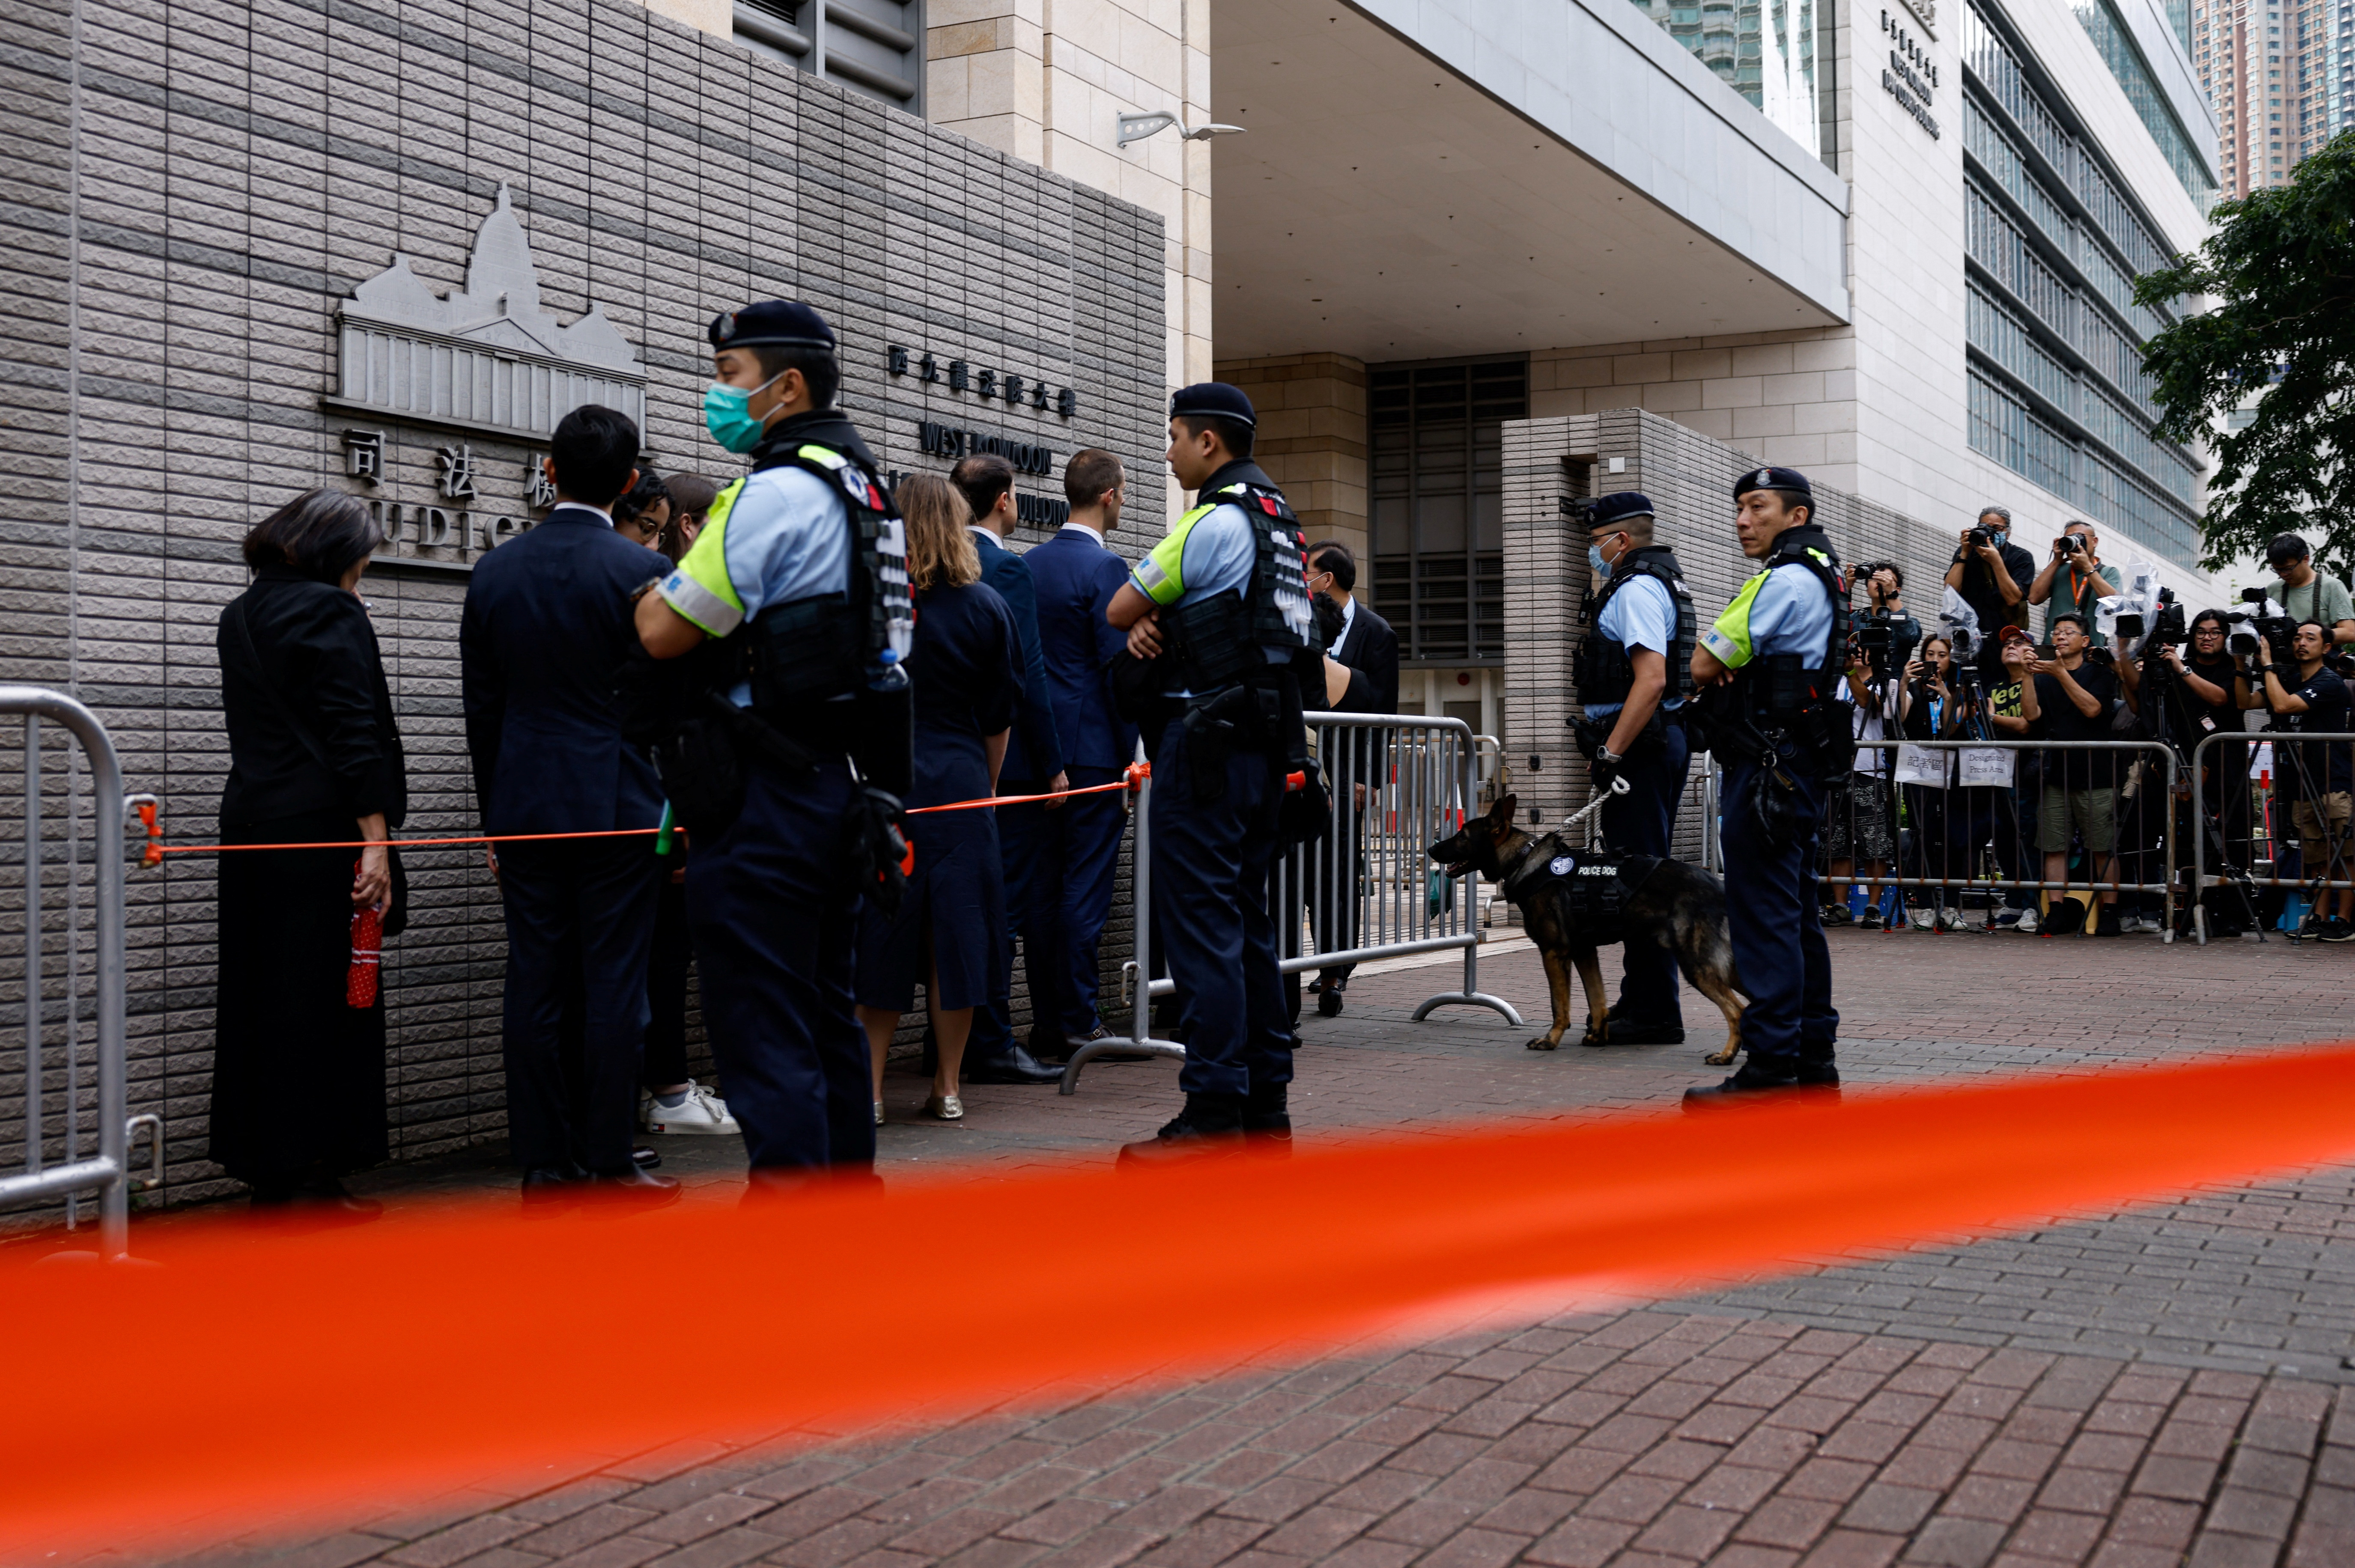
x=985, y=72
x=1312, y=437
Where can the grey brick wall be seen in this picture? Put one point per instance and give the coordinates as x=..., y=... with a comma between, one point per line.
x=241, y=166
x=1690, y=477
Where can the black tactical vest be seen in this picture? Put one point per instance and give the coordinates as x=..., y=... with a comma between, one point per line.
x=1219, y=639
x=1778, y=690
x=1601, y=668
x=814, y=649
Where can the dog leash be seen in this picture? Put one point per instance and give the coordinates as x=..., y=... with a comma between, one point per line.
x=1618, y=787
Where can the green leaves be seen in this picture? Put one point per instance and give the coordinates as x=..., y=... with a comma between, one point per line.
x=2280, y=270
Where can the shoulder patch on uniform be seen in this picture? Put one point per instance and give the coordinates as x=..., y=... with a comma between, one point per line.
x=1560, y=864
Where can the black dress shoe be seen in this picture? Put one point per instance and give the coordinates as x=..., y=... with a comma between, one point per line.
x=1211, y=1127
x=1753, y=1084
x=1016, y=1067
x=1328, y=1002
x=1267, y=1119
x=1628, y=1032
x=547, y=1186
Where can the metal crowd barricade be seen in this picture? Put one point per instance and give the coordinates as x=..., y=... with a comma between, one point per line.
x=105, y=1171
x=2256, y=804
x=1367, y=889
x=1885, y=793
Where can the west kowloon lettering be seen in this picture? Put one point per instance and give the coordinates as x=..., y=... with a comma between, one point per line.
x=949, y=441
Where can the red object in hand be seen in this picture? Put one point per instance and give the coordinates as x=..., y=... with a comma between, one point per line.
x=368, y=955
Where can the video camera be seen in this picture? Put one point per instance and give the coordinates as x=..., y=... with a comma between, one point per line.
x=2168, y=626
x=2266, y=620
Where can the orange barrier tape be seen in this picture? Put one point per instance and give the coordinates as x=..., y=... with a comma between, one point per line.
x=157, y=849
x=261, y=1374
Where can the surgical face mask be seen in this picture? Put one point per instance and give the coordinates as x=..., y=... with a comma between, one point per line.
x=1595, y=563
x=728, y=414
x=1999, y=535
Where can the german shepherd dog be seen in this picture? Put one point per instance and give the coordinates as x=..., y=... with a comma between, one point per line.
x=1677, y=906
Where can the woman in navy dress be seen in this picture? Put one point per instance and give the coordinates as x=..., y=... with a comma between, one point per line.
x=966, y=667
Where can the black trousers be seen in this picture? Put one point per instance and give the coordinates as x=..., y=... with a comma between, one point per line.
x=1643, y=822
x=667, y=967
x=581, y=916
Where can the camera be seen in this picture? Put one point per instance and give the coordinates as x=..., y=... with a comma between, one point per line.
x=2279, y=631
x=2069, y=544
x=1979, y=538
x=2165, y=628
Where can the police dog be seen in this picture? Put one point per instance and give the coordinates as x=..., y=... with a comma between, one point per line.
x=1677, y=906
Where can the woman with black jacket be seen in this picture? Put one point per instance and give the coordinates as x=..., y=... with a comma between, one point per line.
x=315, y=758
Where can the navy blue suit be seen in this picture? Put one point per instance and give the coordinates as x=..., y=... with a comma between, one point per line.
x=1076, y=575
x=542, y=643
x=1034, y=755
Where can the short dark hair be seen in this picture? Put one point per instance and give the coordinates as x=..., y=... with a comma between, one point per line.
x=1233, y=434
x=982, y=477
x=640, y=497
x=1091, y=471
x=320, y=533
x=2223, y=622
x=821, y=372
x=2083, y=624
x=1892, y=567
x=1332, y=556
x=2287, y=547
x=595, y=448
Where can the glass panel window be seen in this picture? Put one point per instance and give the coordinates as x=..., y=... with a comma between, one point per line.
x=1437, y=508
x=1763, y=49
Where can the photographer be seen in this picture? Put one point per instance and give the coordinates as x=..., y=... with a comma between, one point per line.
x=1933, y=708
x=1859, y=821
x=1993, y=575
x=2207, y=692
x=2077, y=557
x=2071, y=698
x=1884, y=587
x=2320, y=776
x=2304, y=593
x=2016, y=854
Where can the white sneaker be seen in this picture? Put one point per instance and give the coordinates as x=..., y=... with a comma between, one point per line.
x=2027, y=927
x=702, y=1111
x=1923, y=917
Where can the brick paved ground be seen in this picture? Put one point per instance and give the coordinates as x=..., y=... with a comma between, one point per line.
x=2156, y=1386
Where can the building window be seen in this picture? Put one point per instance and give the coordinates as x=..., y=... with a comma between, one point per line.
x=1777, y=54
x=875, y=48
x=2103, y=25
x=1437, y=512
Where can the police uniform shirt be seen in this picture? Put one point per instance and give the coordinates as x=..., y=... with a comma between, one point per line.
x=1643, y=614
x=1784, y=610
x=773, y=538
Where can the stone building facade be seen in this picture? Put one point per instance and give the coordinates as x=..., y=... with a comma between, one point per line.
x=537, y=188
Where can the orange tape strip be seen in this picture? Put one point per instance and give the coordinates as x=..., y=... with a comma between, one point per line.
x=157, y=848
x=256, y=1374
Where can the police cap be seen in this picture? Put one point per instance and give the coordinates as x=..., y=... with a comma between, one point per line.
x=772, y=323
x=1610, y=511
x=1789, y=480
x=1214, y=399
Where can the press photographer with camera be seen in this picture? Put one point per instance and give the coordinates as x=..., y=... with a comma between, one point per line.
x=1933, y=706
x=1885, y=588
x=1859, y=822
x=2077, y=560
x=2014, y=838
x=2304, y=593
x=2072, y=698
x=2320, y=775
x=2205, y=691
x=1993, y=575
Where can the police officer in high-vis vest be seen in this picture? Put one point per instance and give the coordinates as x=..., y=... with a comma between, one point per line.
x=790, y=738
x=1634, y=673
x=1771, y=666
x=1221, y=608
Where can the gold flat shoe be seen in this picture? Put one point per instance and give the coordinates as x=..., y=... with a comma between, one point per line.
x=945, y=1107
x=879, y=1113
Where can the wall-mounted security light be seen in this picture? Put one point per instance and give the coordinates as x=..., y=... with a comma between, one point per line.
x=1137, y=127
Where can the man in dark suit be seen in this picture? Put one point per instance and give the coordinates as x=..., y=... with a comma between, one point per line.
x=1361, y=642
x=542, y=643
x=1076, y=573
x=1034, y=766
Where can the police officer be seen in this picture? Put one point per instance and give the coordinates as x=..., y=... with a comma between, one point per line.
x=792, y=613
x=1773, y=659
x=1634, y=673
x=1221, y=606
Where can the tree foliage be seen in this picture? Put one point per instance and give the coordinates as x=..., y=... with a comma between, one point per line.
x=2280, y=268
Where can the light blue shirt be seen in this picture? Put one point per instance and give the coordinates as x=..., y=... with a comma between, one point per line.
x=785, y=536
x=1792, y=614
x=1216, y=556
x=1641, y=615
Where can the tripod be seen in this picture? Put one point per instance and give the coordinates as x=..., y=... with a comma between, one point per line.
x=2161, y=693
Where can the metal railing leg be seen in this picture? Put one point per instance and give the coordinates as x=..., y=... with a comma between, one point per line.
x=1465, y=916
x=1140, y=1024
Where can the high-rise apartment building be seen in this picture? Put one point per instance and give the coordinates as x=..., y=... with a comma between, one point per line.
x=2282, y=75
